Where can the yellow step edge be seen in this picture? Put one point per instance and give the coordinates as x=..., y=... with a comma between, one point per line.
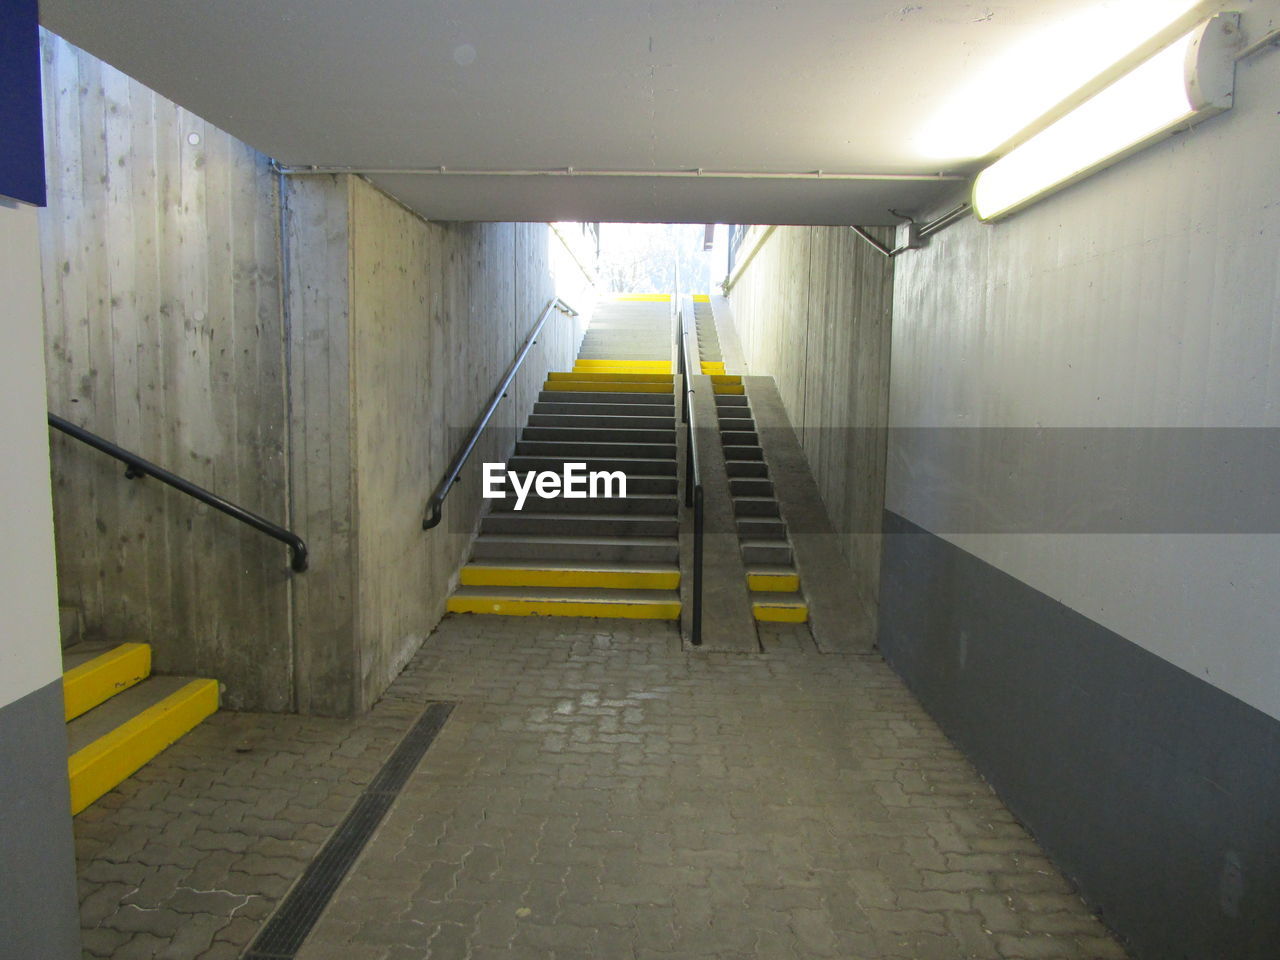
x=610, y=377
x=506, y=606
x=779, y=582
x=633, y=366
x=715, y=367
x=619, y=370
x=780, y=612
x=595, y=386
x=644, y=297
x=111, y=758
x=726, y=378
x=702, y=298
x=98, y=680
x=479, y=575
x=734, y=388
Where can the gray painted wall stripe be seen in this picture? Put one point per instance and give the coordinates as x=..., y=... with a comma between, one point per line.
x=39, y=913
x=1153, y=790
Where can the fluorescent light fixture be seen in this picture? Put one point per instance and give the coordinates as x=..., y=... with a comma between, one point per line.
x=1188, y=81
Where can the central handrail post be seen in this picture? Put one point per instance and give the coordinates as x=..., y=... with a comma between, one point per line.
x=693, y=496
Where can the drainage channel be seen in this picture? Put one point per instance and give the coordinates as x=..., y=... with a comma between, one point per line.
x=289, y=926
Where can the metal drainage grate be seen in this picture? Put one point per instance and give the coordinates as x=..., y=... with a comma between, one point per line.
x=282, y=937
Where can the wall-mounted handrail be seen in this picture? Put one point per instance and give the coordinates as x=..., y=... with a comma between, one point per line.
x=140, y=467
x=436, y=502
x=692, y=479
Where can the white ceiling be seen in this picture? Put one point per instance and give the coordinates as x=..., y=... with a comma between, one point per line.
x=859, y=86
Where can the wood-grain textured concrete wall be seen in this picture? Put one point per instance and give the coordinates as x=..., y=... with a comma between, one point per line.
x=813, y=310
x=331, y=401
x=402, y=329
x=163, y=334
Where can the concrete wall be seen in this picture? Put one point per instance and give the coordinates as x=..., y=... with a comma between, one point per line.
x=330, y=400
x=38, y=911
x=401, y=329
x=1082, y=583
x=812, y=309
x=164, y=334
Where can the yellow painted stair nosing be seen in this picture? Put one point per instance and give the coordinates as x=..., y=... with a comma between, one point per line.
x=482, y=575
x=104, y=763
x=776, y=582
x=610, y=377
x=713, y=367
x=623, y=366
x=98, y=680
x=780, y=612
x=731, y=388
x=726, y=378
x=515, y=607
x=702, y=298
x=590, y=386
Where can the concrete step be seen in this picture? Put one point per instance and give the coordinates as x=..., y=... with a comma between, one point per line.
x=606, y=386
x=615, y=349
x=631, y=466
x=755, y=507
x=489, y=547
x=570, y=450
x=94, y=672
x=583, y=525
x=68, y=624
x=746, y=468
x=739, y=438
x=729, y=389
x=600, y=434
x=737, y=424
x=115, y=739
x=591, y=376
x=634, y=503
x=762, y=528
x=730, y=400
x=602, y=396
x=776, y=578
x=570, y=573
x=636, y=483
x=750, y=487
x=567, y=602
x=737, y=452
x=735, y=415
x=602, y=421
x=766, y=552
x=779, y=607
x=625, y=366
x=662, y=409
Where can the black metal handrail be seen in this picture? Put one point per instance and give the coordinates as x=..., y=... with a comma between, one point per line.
x=692, y=480
x=436, y=503
x=139, y=467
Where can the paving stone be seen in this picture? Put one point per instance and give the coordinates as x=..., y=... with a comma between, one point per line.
x=598, y=792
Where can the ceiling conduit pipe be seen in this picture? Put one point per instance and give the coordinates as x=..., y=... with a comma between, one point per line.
x=917, y=234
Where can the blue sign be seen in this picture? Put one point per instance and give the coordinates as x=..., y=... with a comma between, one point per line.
x=21, y=119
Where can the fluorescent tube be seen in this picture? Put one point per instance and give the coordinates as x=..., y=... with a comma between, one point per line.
x=1186, y=82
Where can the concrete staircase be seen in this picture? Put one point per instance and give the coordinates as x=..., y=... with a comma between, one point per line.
x=119, y=716
x=594, y=557
x=772, y=579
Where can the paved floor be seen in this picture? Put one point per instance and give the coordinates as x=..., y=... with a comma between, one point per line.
x=597, y=793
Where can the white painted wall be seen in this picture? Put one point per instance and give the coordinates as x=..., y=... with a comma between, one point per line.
x=1146, y=296
x=30, y=654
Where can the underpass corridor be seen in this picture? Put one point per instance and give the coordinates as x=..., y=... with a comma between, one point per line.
x=597, y=792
